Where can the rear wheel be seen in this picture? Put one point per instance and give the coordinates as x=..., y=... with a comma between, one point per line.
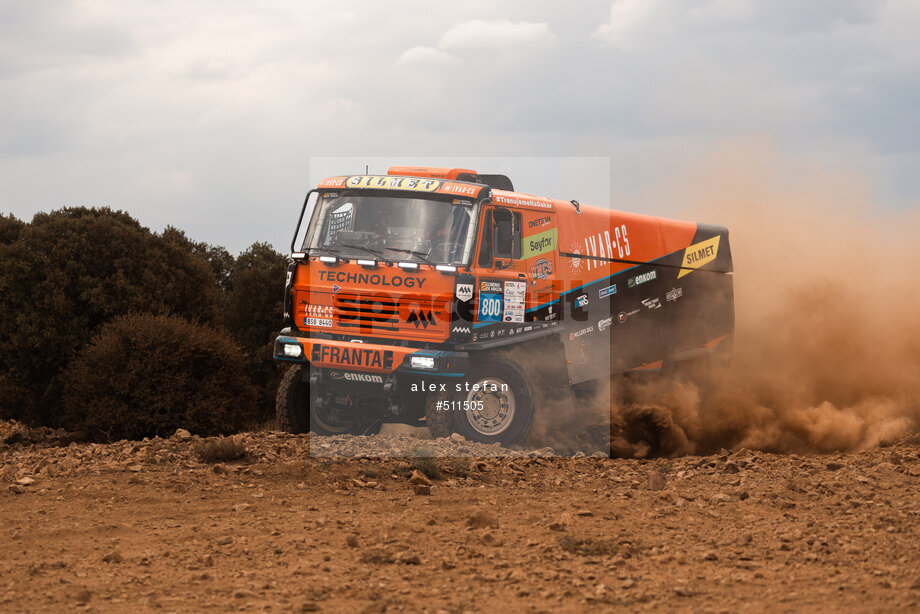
x=495, y=404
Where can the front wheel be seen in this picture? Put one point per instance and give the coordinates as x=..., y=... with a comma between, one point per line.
x=299, y=411
x=493, y=404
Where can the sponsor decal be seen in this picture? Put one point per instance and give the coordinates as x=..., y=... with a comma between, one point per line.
x=515, y=293
x=475, y=336
x=352, y=356
x=500, y=333
x=461, y=329
x=319, y=311
x=604, y=324
x=581, y=332
x=317, y=322
x=492, y=334
x=625, y=315
x=673, y=294
x=526, y=202
x=638, y=280
x=386, y=182
x=699, y=254
x=459, y=188
x=490, y=286
x=544, y=289
x=490, y=307
x=575, y=263
x=607, y=245
x=464, y=292
x=605, y=292
x=582, y=301
x=537, y=244
x=336, y=288
x=332, y=182
x=420, y=318
x=373, y=279
x=542, y=269
x=652, y=303
x=348, y=376
x=540, y=221
x=331, y=195
x=528, y=328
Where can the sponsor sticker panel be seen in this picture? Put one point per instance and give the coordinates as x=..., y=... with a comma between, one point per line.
x=515, y=292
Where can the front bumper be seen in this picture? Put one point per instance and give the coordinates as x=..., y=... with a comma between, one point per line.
x=370, y=358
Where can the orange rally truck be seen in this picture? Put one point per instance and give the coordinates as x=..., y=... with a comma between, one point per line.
x=443, y=297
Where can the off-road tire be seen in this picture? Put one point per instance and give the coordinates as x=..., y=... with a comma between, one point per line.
x=503, y=368
x=292, y=404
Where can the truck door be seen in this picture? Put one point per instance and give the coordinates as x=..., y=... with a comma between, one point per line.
x=515, y=268
x=501, y=276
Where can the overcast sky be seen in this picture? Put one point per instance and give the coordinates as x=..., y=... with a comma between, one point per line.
x=206, y=115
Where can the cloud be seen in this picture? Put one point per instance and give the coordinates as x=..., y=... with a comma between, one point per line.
x=426, y=56
x=235, y=99
x=626, y=17
x=479, y=34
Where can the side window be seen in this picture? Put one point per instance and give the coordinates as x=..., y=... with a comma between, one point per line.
x=498, y=232
x=485, y=245
x=517, y=235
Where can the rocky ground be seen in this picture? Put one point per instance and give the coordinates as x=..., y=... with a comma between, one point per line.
x=256, y=523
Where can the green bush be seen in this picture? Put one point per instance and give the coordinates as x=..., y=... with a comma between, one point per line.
x=67, y=273
x=145, y=375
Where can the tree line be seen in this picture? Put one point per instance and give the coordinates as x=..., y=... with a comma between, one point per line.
x=113, y=330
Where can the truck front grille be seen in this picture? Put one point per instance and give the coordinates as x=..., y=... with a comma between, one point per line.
x=379, y=312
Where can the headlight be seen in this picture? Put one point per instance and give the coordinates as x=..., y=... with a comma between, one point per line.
x=293, y=350
x=421, y=362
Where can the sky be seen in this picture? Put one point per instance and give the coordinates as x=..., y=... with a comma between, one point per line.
x=217, y=117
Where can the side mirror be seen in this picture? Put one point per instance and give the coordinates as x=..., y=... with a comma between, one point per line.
x=504, y=233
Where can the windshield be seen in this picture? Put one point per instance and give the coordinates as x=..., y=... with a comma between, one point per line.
x=356, y=225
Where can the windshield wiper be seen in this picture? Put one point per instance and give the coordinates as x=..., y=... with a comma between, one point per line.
x=368, y=250
x=420, y=255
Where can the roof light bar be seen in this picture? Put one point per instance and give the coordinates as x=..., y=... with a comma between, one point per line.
x=411, y=266
x=298, y=255
x=367, y=262
x=328, y=259
x=446, y=268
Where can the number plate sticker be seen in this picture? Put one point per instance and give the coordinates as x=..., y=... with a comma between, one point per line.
x=490, y=307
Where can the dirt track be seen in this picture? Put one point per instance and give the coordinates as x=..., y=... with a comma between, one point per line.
x=144, y=526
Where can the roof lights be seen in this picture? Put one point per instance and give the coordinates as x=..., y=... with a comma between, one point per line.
x=409, y=266
x=328, y=259
x=446, y=268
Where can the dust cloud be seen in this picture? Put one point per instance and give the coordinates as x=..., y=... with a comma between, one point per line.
x=827, y=343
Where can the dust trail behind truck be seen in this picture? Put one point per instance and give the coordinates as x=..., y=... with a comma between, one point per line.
x=442, y=297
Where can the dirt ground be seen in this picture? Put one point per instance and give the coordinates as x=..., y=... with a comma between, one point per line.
x=149, y=526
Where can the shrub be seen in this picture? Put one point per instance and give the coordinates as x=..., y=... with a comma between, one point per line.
x=220, y=450
x=69, y=272
x=145, y=375
x=254, y=314
x=425, y=463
